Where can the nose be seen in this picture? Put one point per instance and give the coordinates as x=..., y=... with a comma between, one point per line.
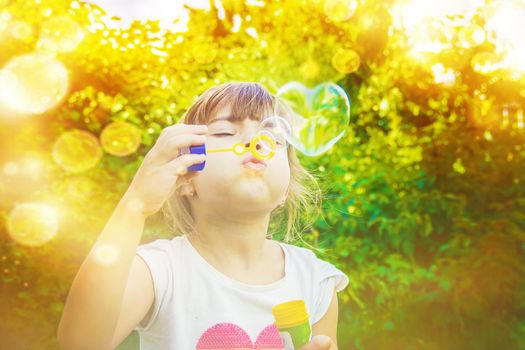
x=257, y=146
x=249, y=134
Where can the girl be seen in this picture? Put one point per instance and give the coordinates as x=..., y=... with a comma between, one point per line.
x=214, y=284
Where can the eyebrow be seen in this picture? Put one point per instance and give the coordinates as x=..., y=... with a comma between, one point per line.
x=229, y=118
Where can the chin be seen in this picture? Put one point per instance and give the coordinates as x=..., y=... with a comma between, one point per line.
x=255, y=209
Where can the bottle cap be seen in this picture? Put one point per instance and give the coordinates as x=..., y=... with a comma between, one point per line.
x=290, y=313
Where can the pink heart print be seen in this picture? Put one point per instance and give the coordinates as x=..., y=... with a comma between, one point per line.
x=230, y=336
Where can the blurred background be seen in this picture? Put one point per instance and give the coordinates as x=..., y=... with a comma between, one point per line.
x=424, y=192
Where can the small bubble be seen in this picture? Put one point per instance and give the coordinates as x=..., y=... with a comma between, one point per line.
x=135, y=205
x=106, y=254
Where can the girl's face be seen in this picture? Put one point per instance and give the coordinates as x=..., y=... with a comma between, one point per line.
x=226, y=183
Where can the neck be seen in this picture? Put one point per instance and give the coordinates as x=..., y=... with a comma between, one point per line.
x=230, y=240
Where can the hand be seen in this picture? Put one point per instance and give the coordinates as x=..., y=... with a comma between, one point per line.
x=156, y=178
x=320, y=342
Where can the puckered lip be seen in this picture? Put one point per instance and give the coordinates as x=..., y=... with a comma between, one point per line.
x=252, y=159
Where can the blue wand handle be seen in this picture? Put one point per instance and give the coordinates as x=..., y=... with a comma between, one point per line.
x=200, y=149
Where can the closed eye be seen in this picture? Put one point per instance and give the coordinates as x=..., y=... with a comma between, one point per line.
x=221, y=134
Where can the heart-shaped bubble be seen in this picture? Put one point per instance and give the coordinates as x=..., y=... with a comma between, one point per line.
x=318, y=116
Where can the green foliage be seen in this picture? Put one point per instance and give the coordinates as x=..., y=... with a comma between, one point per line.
x=422, y=208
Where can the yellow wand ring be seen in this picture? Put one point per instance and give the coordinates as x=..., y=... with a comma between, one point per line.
x=240, y=149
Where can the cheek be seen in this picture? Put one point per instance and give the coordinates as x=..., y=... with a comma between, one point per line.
x=219, y=167
x=280, y=167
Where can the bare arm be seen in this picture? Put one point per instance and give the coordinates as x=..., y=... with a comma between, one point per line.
x=113, y=289
x=94, y=301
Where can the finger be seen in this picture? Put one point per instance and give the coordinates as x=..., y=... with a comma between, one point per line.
x=186, y=175
x=308, y=346
x=319, y=342
x=179, y=166
x=175, y=128
x=178, y=129
x=323, y=342
x=172, y=147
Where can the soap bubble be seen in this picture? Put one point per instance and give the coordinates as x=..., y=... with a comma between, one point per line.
x=319, y=116
x=32, y=224
x=21, y=30
x=120, y=138
x=77, y=151
x=346, y=60
x=33, y=83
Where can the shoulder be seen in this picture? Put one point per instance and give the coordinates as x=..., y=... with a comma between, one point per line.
x=162, y=257
x=316, y=268
x=304, y=256
x=161, y=252
x=299, y=252
x=161, y=245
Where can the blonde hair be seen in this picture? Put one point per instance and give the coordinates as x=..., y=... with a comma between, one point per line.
x=250, y=99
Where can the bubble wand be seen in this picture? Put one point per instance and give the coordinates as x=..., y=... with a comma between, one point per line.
x=238, y=149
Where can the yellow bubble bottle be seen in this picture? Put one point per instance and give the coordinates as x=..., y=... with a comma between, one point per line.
x=292, y=320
